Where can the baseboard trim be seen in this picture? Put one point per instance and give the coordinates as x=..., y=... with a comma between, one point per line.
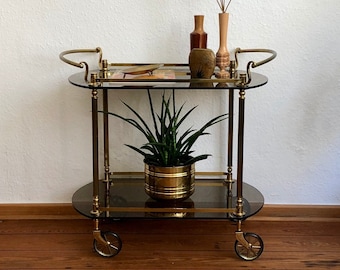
x=38, y=211
x=277, y=212
x=270, y=212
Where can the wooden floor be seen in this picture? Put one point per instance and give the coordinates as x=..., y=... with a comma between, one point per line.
x=169, y=244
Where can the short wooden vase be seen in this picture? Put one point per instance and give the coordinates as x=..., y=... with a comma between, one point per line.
x=198, y=38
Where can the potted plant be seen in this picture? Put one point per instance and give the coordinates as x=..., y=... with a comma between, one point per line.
x=168, y=155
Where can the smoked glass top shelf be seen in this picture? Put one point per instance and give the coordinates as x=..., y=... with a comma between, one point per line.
x=173, y=76
x=181, y=81
x=127, y=199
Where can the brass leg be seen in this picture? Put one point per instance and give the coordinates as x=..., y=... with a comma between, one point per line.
x=106, y=151
x=95, y=208
x=239, y=204
x=104, y=74
x=232, y=75
x=106, y=136
x=230, y=134
x=229, y=181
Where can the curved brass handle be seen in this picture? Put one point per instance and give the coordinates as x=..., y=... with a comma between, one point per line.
x=81, y=64
x=253, y=64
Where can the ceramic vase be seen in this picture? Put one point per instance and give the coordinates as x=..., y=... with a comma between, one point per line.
x=222, y=55
x=198, y=38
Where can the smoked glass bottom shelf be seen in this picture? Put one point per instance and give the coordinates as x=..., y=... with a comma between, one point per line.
x=126, y=198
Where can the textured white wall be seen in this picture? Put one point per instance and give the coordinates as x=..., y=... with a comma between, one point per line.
x=292, y=145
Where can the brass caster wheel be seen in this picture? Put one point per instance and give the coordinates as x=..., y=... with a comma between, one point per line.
x=110, y=246
x=252, y=250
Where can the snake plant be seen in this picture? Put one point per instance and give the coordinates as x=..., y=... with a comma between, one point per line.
x=166, y=146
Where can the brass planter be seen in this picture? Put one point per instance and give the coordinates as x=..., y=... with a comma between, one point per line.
x=169, y=183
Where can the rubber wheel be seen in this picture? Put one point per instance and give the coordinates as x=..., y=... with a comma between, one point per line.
x=253, y=251
x=112, y=247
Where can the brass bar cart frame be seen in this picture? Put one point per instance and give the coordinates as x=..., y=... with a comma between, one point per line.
x=248, y=246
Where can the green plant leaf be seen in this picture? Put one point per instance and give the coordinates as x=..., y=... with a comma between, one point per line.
x=163, y=146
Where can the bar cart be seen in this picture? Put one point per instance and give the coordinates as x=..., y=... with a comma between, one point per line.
x=120, y=195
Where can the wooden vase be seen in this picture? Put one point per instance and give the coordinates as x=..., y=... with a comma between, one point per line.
x=198, y=38
x=202, y=65
x=222, y=55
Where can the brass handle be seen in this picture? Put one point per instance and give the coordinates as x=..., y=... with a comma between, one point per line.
x=81, y=64
x=253, y=64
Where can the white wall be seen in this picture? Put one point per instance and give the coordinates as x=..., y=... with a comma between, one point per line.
x=292, y=147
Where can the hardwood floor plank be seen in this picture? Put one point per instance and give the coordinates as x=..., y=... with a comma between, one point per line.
x=165, y=260
x=150, y=242
x=167, y=244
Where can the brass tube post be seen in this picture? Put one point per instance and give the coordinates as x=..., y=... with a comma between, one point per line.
x=95, y=160
x=240, y=145
x=230, y=133
x=106, y=124
x=229, y=181
x=104, y=74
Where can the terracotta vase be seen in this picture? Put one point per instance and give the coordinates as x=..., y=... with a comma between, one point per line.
x=198, y=38
x=222, y=55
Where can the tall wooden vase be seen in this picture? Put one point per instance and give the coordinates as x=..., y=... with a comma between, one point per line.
x=222, y=55
x=198, y=38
